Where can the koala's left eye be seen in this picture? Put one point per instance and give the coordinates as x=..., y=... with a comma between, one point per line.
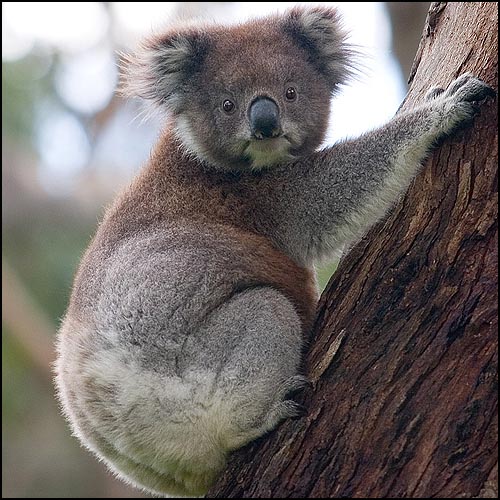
x=291, y=94
x=228, y=106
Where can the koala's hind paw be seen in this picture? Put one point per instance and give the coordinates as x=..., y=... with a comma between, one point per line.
x=293, y=385
x=283, y=410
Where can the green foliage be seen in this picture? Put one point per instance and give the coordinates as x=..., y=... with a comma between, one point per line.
x=45, y=253
x=324, y=274
x=24, y=84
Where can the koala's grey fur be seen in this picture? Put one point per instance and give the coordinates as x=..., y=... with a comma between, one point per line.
x=185, y=327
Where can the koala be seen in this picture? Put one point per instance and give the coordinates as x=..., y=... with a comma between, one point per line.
x=189, y=312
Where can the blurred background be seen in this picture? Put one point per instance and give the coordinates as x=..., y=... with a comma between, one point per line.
x=69, y=144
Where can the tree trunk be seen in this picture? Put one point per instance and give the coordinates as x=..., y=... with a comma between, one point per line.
x=404, y=356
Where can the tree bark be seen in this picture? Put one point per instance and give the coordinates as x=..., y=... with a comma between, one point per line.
x=403, y=357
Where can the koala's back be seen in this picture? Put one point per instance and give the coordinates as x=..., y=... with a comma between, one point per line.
x=181, y=239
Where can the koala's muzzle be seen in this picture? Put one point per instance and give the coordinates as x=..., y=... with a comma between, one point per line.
x=264, y=118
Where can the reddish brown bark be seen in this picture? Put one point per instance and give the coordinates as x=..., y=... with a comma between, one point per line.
x=405, y=405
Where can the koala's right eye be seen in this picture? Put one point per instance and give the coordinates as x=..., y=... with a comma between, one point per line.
x=291, y=94
x=228, y=106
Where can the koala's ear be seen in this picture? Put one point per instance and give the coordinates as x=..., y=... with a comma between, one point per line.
x=318, y=30
x=162, y=66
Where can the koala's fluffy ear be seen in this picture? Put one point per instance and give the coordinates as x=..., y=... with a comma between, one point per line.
x=162, y=66
x=319, y=31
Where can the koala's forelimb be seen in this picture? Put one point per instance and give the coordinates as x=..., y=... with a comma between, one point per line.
x=335, y=195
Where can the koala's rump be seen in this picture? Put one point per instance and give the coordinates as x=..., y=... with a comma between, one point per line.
x=130, y=375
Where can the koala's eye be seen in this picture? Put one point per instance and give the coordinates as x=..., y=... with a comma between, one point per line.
x=291, y=94
x=228, y=106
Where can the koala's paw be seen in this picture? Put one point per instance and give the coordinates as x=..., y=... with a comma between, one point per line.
x=283, y=407
x=293, y=385
x=433, y=93
x=283, y=410
x=459, y=103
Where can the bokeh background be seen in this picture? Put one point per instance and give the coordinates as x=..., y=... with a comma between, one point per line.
x=69, y=143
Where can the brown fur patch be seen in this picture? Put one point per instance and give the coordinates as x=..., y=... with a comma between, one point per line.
x=273, y=268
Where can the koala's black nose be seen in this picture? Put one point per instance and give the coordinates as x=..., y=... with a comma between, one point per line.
x=264, y=118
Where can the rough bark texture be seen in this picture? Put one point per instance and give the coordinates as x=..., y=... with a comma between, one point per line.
x=404, y=352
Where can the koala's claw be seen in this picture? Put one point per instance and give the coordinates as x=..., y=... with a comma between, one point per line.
x=469, y=89
x=293, y=385
x=433, y=93
x=300, y=411
x=283, y=410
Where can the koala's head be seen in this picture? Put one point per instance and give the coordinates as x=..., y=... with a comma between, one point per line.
x=247, y=96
